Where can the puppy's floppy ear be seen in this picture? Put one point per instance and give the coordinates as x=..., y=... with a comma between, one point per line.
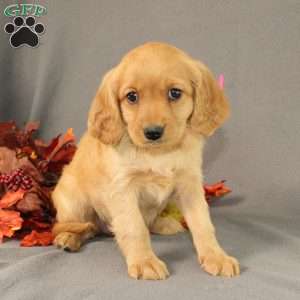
x=104, y=121
x=211, y=107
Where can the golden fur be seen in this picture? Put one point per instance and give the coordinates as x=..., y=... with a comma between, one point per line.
x=120, y=179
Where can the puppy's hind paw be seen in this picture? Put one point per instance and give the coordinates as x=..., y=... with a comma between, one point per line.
x=68, y=241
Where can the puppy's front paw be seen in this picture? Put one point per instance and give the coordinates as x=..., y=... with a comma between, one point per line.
x=68, y=241
x=150, y=268
x=216, y=263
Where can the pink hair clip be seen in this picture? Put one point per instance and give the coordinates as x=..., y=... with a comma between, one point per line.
x=221, y=81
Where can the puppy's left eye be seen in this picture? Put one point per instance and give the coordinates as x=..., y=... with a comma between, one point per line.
x=174, y=94
x=132, y=97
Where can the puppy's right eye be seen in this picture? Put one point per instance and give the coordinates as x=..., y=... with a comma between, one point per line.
x=132, y=97
x=174, y=94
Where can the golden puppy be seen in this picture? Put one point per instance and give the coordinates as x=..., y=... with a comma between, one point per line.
x=142, y=149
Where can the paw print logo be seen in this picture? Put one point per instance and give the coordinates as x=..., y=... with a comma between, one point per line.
x=24, y=32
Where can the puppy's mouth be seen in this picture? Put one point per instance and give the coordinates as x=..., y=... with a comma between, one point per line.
x=156, y=143
x=148, y=144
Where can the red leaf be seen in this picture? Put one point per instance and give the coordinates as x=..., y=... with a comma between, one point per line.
x=32, y=126
x=8, y=135
x=30, y=202
x=42, y=163
x=37, y=239
x=60, y=150
x=67, y=138
x=35, y=225
x=31, y=223
x=216, y=190
x=46, y=150
x=8, y=160
x=223, y=191
x=6, y=126
x=10, y=221
x=11, y=198
x=26, y=150
x=64, y=154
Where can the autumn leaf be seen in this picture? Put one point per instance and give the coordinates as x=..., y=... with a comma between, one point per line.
x=46, y=150
x=58, y=153
x=30, y=202
x=8, y=160
x=36, y=165
x=172, y=211
x=26, y=150
x=223, y=191
x=34, y=224
x=37, y=239
x=31, y=127
x=63, y=153
x=8, y=135
x=68, y=137
x=216, y=190
x=10, y=221
x=61, y=158
x=11, y=198
x=7, y=126
x=37, y=223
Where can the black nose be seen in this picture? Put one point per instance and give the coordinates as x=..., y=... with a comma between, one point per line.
x=153, y=132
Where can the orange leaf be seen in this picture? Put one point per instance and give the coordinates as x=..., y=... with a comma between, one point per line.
x=33, y=155
x=37, y=239
x=11, y=198
x=223, y=191
x=216, y=190
x=10, y=221
x=69, y=136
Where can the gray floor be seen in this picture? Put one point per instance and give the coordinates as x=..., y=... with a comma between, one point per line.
x=268, y=248
x=256, y=45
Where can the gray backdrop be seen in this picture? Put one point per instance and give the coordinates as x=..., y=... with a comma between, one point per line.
x=256, y=44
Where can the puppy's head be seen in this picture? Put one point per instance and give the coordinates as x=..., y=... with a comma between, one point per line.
x=157, y=94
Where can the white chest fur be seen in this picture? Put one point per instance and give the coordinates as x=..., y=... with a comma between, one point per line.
x=154, y=176
x=154, y=192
